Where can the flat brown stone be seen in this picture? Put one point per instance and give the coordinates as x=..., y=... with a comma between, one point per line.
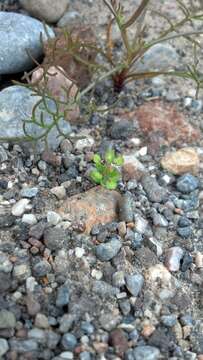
x=96, y=206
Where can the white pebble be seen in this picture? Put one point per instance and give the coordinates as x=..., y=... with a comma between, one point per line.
x=20, y=207
x=79, y=252
x=59, y=192
x=53, y=218
x=29, y=219
x=96, y=274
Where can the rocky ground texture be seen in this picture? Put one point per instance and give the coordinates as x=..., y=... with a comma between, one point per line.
x=88, y=273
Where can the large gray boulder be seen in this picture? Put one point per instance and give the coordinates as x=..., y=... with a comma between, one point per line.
x=16, y=105
x=18, y=35
x=48, y=10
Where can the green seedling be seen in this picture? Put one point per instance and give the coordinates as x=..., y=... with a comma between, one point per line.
x=106, y=172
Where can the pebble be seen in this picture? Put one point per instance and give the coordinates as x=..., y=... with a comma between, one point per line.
x=23, y=346
x=184, y=222
x=199, y=260
x=185, y=160
x=146, y=353
x=159, y=220
x=53, y=218
x=173, y=257
x=134, y=283
x=5, y=264
x=86, y=143
x=42, y=268
x=108, y=250
x=3, y=347
x=45, y=9
x=59, y=192
x=154, y=191
x=187, y=183
x=29, y=219
x=21, y=272
x=69, y=341
x=63, y=296
x=126, y=208
x=85, y=355
x=122, y=130
x=7, y=319
x=41, y=321
x=184, y=232
x=20, y=207
x=29, y=193
x=169, y=320
x=19, y=33
x=141, y=224
x=55, y=238
x=79, y=252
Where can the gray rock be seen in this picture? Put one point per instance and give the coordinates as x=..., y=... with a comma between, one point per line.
x=21, y=272
x=7, y=319
x=154, y=191
x=173, y=258
x=126, y=208
x=22, y=346
x=69, y=341
x=159, y=220
x=69, y=18
x=159, y=57
x=45, y=9
x=55, y=238
x=169, y=320
x=134, y=283
x=19, y=208
x=122, y=129
x=63, y=296
x=52, y=339
x=42, y=268
x=108, y=250
x=3, y=154
x=187, y=183
x=85, y=355
x=38, y=335
x=184, y=232
x=29, y=192
x=41, y=321
x=5, y=264
x=146, y=353
x=103, y=289
x=16, y=104
x=3, y=347
x=19, y=33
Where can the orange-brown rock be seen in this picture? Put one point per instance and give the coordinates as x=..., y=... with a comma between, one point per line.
x=119, y=341
x=96, y=206
x=132, y=168
x=181, y=161
x=164, y=119
x=57, y=54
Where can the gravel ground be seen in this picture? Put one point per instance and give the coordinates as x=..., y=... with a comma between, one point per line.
x=130, y=288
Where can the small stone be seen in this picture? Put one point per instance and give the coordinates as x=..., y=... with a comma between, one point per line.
x=21, y=272
x=63, y=296
x=184, y=222
x=59, y=192
x=69, y=18
x=122, y=129
x=5, y=264
x=7, y=319
x=169, y=320
x=119, y=341
x=108, y=250
x=86, y=143
x=20, y=207
x=29, y=193
x=69, y=341
x=87, y=327
x=199, y=260
x=134, y=283
x=154, y=191
x=55, y=238
x=23, y=346
x=185, y=160
x=118, y=279
x=79, y=252
x=53, y=218
x=45, y=9
x=38, y=335
x=184, y=232
x=41, y=321
x=186, y=262
x=132, y=168
x=96, y=206
x=3, y=347
x=146, y=353
x=103, y=289
x=148, y=330
x=159, y=220
x=109, y=321
x=187, y=183
x=85, y=355
x=29, y=219
x=42, y=268
x=140, y=224
x=126, y=208
x=173, y=257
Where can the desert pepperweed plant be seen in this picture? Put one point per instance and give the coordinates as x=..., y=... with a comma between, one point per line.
x=106, y=171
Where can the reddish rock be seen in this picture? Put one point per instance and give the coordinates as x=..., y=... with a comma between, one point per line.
x=96, y=206
x=173, y=258
x=60, y=87
x=132, y=168
x=119, y=341
x=157, y=117
x=51, y=158
x=56, y=54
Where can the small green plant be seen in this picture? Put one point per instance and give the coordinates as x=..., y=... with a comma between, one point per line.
x=106, y=172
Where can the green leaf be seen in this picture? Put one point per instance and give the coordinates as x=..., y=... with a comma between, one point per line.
x=111, y=184
x=97, y=158
x=100, y=167
x=118, y=161
x=96, y=176
x=109, y=156
x=114, y=174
